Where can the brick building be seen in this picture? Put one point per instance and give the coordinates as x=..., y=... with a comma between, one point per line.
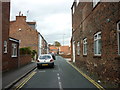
x=95, y=38
x=64, y=50
x=28, y=35
x=53, y=49
x=25, y=32
x=9, y=45
x=43, y=45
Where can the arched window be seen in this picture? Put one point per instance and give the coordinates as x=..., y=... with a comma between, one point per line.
x=97, y=44
x=85, y=46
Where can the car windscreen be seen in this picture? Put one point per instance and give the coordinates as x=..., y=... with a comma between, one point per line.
x=45, y=57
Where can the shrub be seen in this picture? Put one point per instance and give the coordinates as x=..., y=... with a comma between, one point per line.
x=28, y=51
x=25, y=50
x=33, y=53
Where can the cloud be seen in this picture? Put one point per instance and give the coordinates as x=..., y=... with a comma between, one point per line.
x=53, y=17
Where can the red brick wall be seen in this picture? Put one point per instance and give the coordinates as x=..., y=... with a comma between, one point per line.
x=8, y=62
x=5, y=33
x=65, y=50
x=13, y=61
x=87, y=21
x=24, y=59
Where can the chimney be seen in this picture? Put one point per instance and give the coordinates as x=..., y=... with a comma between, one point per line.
x=21, y=17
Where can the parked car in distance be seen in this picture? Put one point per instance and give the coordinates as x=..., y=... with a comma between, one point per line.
x=45, y=60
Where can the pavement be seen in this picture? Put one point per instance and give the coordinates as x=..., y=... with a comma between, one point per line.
x=9, y=78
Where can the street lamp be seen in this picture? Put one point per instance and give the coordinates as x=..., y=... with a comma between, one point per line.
x=63, y=39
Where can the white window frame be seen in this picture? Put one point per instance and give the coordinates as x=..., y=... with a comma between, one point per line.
x=77, y=2
x=14, y=50
x=96, y=39
x=118, y=32
x=85, y=44
x=73, y=9
x=78, y=48
x=95, y=2
x=5, y=46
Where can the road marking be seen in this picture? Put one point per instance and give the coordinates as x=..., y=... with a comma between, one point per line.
x=59, y=81
x=60, y=85
x=58, y=74
x=87, y=77
x=58, y=78
x=25, y=81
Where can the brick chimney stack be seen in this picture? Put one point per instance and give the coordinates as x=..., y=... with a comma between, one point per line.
x=20, y=17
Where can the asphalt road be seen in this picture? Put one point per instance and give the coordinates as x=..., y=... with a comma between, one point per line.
x=62, y=76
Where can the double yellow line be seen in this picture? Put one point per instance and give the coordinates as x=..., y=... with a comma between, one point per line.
x=87, y=77
x=25, y=81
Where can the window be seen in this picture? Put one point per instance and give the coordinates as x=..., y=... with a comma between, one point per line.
x=85, y=46
x=97, y=44
x=78, y=48
x=73, y=10
x=14, y=50
x=95, y=2
x=5, y=46
x=77, y=2
x=118, y=36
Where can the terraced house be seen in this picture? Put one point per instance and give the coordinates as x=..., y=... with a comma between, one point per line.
x=96, y=38
x=28, y=35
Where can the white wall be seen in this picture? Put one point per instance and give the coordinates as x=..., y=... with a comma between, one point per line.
x=39, y=45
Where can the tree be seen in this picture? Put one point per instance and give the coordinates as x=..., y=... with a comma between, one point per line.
x=57, y=44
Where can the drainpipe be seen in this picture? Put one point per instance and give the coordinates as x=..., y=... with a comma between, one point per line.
x=19, y=54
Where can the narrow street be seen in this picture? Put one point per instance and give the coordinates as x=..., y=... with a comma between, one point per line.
x=63, y=75
x=84, y=35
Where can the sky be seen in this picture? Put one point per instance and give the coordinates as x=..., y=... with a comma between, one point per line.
x=53, y=17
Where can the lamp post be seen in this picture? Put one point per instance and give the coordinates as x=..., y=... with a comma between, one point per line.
x=63, y=39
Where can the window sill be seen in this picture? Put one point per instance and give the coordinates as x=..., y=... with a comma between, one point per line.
x=13, y=56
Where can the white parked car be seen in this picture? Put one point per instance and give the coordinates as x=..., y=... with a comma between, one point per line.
x=45, y=60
